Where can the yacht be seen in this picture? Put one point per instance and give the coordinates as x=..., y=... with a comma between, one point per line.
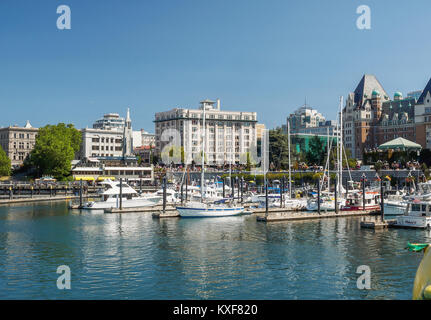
x=171, y=196
x=417, y=214
x=111, y=198
x=290, y=204
x=395, y=204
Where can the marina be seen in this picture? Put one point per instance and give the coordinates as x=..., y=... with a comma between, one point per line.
x=129, y=255
x=215, y=150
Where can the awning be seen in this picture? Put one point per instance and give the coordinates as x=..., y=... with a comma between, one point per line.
x=400, y=143
x=85, y=178
x=105, y=178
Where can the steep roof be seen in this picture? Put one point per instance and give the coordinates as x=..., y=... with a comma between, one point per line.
x=424, y=93
x=366, y=86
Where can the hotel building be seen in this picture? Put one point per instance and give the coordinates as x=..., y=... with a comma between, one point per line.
x=229, y=134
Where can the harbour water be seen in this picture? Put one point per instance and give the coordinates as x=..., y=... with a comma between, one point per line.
x=133, y=256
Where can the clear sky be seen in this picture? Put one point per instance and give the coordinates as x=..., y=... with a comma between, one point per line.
x=154, y=55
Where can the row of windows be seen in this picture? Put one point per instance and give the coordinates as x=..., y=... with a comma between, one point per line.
x=106, y=140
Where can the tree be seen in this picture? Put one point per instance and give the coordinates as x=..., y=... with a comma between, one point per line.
x=278, y=149
x=4, y=163
x=316, y=154
x=55, y=148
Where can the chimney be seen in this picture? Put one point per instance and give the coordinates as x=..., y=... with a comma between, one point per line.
x=218, y=104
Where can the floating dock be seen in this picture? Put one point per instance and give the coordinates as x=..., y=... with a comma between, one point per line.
x=376, y=223
x=280, y=215
x=166, y=214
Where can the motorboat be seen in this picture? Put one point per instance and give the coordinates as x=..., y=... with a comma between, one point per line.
x=111, y=197
x=355, y=201
x=395, y=204
x=417, y=214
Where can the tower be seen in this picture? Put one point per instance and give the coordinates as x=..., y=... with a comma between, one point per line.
x=127, y=136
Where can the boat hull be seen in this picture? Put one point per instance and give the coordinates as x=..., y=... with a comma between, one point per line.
x=361, y=208
x=186, y=212
x=101, y=205
x=413, y=222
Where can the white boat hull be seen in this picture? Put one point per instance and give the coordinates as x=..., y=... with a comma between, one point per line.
x=187, y=212
x=414, y=222
x=113, y=203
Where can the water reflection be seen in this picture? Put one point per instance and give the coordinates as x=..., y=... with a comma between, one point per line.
x=133, y=256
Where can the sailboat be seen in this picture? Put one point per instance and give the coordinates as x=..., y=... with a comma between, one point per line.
x=327, y=198
x=203, y=209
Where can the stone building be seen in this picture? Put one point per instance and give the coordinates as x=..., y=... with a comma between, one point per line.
x=361, y=115
x=397, y=119
x=18, y=142
x=423, y=117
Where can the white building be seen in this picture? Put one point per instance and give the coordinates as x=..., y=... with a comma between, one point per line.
x=229, y=134
x=106, y=139
x=148, y=139
x=305, y=117
x=110, y=121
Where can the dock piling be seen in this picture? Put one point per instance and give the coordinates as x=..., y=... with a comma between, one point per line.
x=363, y=191
x=80, y=193
x=164, y=194
x=121, y=193
x=318, y=196
x=382, y=210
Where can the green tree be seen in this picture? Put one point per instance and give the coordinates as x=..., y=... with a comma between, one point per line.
x=4, y=163
x=278, y=149
x=55, y=148
x=317, y=152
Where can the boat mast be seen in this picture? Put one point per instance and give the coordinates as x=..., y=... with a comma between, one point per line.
x=341, y=146
x=327, y=162
x=203, y=154
x=290, y=171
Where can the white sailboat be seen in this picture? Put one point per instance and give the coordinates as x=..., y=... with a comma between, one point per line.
x=327, y=199
x=203, y=209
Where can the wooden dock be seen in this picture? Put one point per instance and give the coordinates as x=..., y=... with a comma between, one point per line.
x=279, y=215
x=40, y=199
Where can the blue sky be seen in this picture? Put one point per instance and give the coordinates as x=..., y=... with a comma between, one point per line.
x=255, y=55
